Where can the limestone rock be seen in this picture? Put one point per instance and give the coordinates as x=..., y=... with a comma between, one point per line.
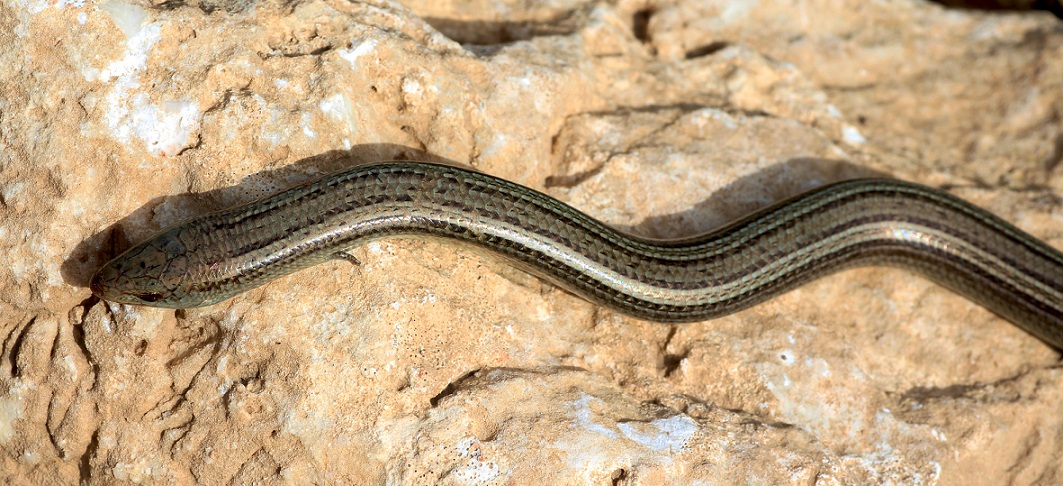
x=431, y=363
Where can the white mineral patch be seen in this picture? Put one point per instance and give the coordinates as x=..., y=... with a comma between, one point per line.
x=852, y=135
x=167, y=129
x=11, y=409
x=669, y=434
x=339, y=107
x=128, y=17
x=357, y=50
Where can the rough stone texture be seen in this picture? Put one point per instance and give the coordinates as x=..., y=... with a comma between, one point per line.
x=434, y=364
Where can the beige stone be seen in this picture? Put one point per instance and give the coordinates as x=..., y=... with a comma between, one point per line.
x=432, y=363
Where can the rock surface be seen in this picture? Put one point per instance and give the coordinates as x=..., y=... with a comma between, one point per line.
x=430, y=363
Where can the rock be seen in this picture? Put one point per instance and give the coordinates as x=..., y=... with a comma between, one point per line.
x=432, y=363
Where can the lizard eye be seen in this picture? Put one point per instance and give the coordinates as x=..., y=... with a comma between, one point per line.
x=149, y=296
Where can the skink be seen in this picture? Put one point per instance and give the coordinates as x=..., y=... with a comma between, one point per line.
x=215, y=256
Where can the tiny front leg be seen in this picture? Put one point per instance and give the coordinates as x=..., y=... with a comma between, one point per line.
x=346, y=257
